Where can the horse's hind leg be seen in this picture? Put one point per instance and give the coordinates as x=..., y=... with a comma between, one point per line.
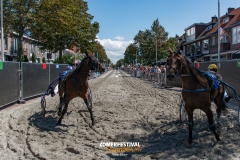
x=218, y=110
x=66, y=100
x=210, y=122
x=89, y=106
x=61, y=101
x=220, y=106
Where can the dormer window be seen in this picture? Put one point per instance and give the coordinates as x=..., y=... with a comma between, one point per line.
x=209, y=27
x=190, y=31
x=225, y=20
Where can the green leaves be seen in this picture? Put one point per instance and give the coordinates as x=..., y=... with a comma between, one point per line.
x=54, y=25
x=149, y=41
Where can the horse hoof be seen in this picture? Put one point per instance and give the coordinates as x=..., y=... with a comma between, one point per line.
x=188, y=145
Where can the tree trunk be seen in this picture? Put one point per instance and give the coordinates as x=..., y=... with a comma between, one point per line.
x=20, y=46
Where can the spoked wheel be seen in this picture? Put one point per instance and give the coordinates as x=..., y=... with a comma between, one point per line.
x=43, y=106
x=183, y=112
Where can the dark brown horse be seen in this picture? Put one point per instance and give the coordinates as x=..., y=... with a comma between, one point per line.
x=76, y=85
x=197, y=92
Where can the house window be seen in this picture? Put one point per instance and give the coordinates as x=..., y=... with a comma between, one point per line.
x=223, y=38
x=5, y=43
x=225, y=20
x=236, y=35
x=190, y=31
x=198, y=47
x=31, y=48
x=209, y=27
x=188, y=50
x=205, y=46
x=213, y=41
x=15, y=45
x=193, y=49
x=25, y=46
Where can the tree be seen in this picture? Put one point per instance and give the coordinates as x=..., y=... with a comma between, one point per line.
x=68, y=59
x=102, y=56
x=130, y=54
x=149, y=40
x=24, y=58
x=61, y=24
x=43, y=60
x=18, y=15
x=33, y=58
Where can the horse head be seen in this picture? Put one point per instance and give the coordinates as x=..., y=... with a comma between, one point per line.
x=175, y=64
x=94, y=64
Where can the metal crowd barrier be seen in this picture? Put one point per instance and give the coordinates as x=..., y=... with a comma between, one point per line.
x=30, y=80
x=9, y=83
x=229, y=70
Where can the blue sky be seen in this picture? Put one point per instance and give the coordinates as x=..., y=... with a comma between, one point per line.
x=120, y=20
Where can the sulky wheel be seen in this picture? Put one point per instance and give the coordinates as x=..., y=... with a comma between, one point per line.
x=43, y=106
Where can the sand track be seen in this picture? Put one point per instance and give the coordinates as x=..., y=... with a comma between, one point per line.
x=126, y=109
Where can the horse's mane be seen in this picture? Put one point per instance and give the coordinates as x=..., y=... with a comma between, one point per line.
x=196, y=73
x=80, y=64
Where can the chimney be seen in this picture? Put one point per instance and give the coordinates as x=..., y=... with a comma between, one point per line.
x=230, y=9
x=214, y=19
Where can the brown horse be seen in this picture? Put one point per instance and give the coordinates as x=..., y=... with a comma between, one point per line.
x=76, y=85
x=197, y=92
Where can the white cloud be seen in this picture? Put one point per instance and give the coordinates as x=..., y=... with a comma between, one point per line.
x=115, y=48
x=119, y=38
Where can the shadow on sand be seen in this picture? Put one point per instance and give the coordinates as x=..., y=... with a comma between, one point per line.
x=47, y=123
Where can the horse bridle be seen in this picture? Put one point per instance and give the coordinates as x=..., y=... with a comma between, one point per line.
x=178, y=71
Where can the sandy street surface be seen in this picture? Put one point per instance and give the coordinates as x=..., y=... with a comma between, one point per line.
x=126, y=109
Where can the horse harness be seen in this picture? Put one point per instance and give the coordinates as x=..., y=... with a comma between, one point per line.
x=73, y=72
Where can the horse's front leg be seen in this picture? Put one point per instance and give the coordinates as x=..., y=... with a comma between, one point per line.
x=89, y=106
x=190, y=125
x=209, y=114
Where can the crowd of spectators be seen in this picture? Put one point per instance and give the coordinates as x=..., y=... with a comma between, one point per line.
x=155, y=74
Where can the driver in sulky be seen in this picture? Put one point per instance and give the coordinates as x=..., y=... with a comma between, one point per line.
x=212, y=68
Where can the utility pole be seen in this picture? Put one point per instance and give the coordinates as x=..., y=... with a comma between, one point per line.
x=2, y=33
x=219, y=34
x=156, y=50
x=136, y=58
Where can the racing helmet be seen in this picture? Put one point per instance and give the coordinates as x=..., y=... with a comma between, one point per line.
x=69, y=68
x=213, y=67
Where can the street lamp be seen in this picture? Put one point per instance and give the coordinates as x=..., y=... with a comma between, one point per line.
x=156, y=50
x=137, y=44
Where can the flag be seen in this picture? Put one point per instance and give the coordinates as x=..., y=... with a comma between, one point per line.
x=221, y=32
